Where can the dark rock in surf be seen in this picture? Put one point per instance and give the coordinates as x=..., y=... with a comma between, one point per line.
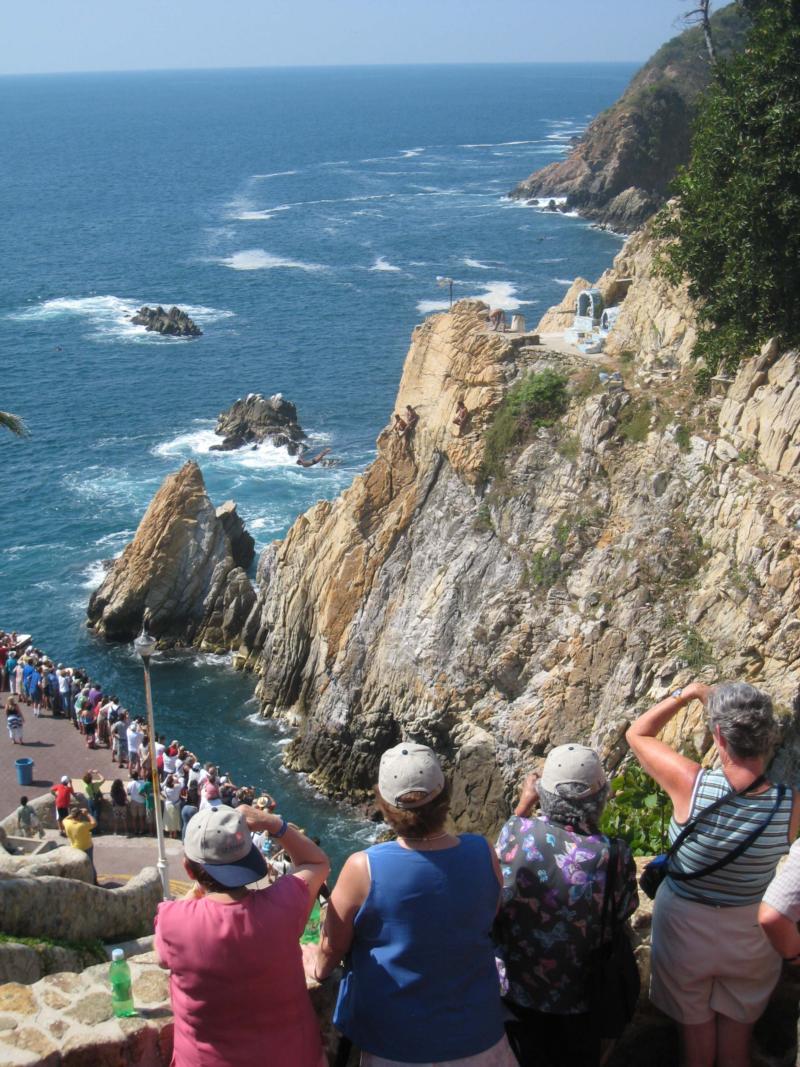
x=172, y=323
x=256, y=418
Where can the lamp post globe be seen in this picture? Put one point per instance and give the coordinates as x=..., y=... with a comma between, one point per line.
x=145, y=645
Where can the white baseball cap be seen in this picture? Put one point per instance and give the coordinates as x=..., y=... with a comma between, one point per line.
x=409, y=768
x=576, y=767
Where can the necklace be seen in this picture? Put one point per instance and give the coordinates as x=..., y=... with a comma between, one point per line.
x=432, y=837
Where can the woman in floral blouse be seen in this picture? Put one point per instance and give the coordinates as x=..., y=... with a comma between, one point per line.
x=554, y=869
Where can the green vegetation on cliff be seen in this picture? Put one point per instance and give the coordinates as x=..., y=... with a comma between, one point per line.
x=537, y=400
x=736, y=232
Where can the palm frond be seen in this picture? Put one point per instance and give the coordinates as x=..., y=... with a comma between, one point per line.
x=13, y=423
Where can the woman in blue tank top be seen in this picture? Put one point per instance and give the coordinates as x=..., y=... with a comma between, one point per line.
x=712, y=968
x=413, y=918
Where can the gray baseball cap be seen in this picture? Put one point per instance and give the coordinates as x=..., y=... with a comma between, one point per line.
x=219, y=840
x=409, y=768
x=574, y=766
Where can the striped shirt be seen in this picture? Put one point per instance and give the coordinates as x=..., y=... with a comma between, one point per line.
x=745, y=879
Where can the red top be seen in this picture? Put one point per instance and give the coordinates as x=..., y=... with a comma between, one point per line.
x=237, y=984
x=63, y=793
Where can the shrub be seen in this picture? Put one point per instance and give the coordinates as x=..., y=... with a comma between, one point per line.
x=736, y=233
x=544, y=568
x=683, y=439
x=569, y=447
x=538, y=400
x=635, y=422
x=638, y=812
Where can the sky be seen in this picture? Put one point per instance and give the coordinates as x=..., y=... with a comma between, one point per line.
x=48, y=36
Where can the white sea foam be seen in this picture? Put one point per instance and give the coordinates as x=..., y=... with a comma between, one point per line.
x=254, y=216
x=274, y=174
x=498, y=144
x=564, y=281
x=111, y=316
x=409, y=153
x=382, y=264
x=199, y=442
x=259, y=259
x=476, y=263
x=427, y=306
x=501, y=295
x=119, y=536
x=93, y=574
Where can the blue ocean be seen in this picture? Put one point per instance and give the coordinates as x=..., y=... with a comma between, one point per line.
x=301, y=217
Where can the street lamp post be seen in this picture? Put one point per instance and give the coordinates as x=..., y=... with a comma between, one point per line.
x=444, y=283
x=145, y=646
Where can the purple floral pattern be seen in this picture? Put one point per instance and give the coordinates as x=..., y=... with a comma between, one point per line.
x=553, y=884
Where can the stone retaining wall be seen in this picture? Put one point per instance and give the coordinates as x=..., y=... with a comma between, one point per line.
x=74, y=910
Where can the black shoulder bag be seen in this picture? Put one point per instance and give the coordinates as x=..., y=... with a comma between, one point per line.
x=613, y=981
x=657, y=869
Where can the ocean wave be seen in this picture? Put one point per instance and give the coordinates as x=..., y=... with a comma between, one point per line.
x=93, y=574
x=499, y=144
x=273, y=174
x=476, y=263
x=259, y=259
x=199, y=442
x=111, y=315
x=563, y=281
x=254, y=216
x=425, y=307
x=409, y=153
x=381, y=264
x=114, y=538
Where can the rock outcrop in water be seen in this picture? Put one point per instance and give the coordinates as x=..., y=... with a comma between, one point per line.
x=172, y=323
x=185, y=567
x=650, y=536
x=619, y=170
x=255, y=418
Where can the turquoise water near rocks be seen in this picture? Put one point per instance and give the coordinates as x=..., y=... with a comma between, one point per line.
x=301, y=217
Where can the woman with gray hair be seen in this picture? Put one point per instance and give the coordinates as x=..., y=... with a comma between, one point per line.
x=556, y=867
x=712, y=968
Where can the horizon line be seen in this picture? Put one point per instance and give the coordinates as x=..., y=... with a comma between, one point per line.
x=324, y=66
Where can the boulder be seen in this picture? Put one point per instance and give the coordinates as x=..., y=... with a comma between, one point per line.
x=172, y=323
x=176, y=568
x=256, y=418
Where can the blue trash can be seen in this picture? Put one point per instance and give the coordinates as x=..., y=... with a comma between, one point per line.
x=24, y=771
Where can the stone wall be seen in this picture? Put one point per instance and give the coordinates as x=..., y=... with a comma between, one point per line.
x=64, y=907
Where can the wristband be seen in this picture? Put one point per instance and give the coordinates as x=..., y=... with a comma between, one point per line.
x=283, y=829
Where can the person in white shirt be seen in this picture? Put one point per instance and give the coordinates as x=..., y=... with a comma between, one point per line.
x=136, y=807
x=135, y=736
x=171, y=792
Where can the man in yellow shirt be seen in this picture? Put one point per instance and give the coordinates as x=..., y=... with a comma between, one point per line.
x=78, y=826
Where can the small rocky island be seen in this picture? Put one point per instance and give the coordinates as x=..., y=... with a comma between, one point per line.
x=172, y=323
x=256, y=418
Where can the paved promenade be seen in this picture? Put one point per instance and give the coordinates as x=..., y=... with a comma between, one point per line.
x=57, y=748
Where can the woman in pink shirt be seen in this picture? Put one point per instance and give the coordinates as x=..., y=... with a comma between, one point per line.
x=237, y=984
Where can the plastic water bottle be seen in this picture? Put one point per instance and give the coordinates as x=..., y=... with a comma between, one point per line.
x=119, y=975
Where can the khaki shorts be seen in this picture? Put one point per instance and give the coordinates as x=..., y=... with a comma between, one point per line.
x=708, y=960
x=499, y=1055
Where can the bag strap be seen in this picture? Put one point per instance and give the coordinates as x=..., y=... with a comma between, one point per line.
x=689, y=876
x=689, y=827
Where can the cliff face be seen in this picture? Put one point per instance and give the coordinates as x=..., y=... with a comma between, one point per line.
x=619, y=170
x=647, y=538
x=184, y=568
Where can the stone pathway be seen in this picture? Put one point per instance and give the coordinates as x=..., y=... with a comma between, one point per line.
x=57, y=748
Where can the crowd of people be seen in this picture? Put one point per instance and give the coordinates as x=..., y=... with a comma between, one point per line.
x=185, y=784
x=455, y=951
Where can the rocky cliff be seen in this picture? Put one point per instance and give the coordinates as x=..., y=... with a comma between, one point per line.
x=185, y=567
x=619, y=170
x=648, y=537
